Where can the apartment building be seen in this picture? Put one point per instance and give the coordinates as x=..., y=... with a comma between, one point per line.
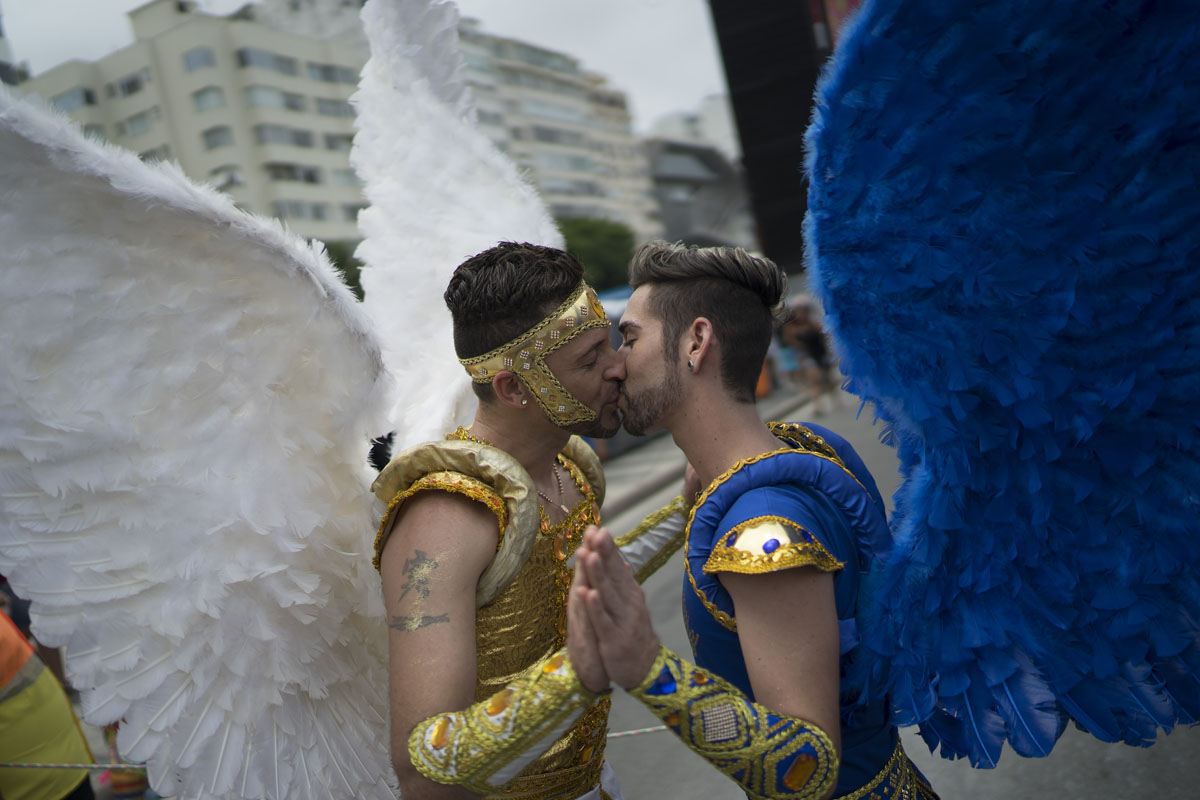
x=255, y=103
x=566, y=127
x=260, y=113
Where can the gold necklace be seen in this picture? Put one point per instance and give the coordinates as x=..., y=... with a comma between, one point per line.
x=561, y=493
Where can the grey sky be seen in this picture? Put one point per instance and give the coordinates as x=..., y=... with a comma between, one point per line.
x=662, y=52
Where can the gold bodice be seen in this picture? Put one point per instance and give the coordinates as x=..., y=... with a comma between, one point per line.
x=525, y=625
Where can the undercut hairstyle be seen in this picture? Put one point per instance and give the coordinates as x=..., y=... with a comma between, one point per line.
x=737, y=292
x=501, y=293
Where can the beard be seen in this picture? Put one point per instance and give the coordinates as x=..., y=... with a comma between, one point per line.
x=596, y=428
x=645, y=409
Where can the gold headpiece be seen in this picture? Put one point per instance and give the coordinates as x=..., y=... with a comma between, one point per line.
x=525, y=356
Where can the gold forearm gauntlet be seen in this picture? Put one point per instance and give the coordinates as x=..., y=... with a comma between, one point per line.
x=769, y=755
x=488, y=744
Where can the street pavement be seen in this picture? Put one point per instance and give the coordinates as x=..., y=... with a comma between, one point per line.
x=656, y=766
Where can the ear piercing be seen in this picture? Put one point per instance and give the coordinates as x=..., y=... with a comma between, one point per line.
x=690, y=365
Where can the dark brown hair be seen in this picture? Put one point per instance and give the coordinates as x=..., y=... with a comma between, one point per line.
x=504, y=291
x=737, y=292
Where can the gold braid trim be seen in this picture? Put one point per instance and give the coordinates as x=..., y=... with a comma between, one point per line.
x=771, y=756
x=801, y=549
x=455, y=482
x=898, y=780
x=484, y=747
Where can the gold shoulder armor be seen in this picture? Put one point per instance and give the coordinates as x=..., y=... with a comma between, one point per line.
x=586, y=459
x=490, y=466
x=768, y=544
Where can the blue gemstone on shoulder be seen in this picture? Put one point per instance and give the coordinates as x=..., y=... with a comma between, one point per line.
x=770, y=545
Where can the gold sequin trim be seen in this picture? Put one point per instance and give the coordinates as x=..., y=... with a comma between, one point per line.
x=809, y=443
x=898, y=780
x=446, y=482
x=725, y=558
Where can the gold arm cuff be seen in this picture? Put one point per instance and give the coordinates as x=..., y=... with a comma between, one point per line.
x=487, y=745
x=771, y=756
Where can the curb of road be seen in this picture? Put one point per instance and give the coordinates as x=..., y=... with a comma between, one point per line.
x=660, y=479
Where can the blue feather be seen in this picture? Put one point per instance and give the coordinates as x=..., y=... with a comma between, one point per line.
x=1003, y=226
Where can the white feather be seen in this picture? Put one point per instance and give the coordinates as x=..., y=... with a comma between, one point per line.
x=186, y=397
x=440, y=192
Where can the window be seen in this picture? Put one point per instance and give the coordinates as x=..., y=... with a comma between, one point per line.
x=282, y=134
x=141, y=123
x=334, y=108
x=564, y=162
x=75, y=98
x=264, y=59
x=299, y=209
x=344, y=176
x=270, y=97
x=198, y=58
x=338, y=141
x=558, y=111
x=485, y=117
x=293, y=172
x=226, y=177
x=558, y=136
x=132, y=84
x=160, y=153
x=332, y=73
x=220, y=136
x=208, y=98
x=350, y=211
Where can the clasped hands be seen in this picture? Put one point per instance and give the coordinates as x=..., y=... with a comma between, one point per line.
x=609, y=635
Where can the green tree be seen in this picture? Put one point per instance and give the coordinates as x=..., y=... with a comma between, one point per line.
x=603, y=247
x=342, y=256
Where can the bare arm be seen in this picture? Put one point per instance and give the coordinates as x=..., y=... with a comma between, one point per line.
x=430, y=565
x=787, y=625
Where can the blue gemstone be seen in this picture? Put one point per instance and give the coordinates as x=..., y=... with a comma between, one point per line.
x=770, y=545
x=663, y=684
x=732, y=538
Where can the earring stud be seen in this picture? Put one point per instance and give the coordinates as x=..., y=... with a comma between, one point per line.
x=524, y=401
x=690, y=366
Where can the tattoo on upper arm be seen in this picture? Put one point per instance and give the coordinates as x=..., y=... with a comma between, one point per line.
x=417, y=569
x=416, y=622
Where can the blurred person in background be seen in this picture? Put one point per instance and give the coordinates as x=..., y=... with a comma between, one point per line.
x=37, y=726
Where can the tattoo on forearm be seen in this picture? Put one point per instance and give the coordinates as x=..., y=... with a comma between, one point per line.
x=417, y=569
x=416, y=622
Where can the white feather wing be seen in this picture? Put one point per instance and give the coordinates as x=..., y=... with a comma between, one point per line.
x=439, y=192
x=186, y=395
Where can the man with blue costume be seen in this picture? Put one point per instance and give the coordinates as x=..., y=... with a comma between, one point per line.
x=777, y=546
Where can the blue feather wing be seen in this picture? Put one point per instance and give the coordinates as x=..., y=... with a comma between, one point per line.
x=1004, y=229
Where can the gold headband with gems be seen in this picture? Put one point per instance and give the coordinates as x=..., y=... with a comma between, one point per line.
x=526, y=355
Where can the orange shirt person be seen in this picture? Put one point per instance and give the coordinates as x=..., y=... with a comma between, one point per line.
x=37, y=726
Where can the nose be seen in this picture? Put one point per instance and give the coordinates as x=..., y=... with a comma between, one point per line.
x=614, y=369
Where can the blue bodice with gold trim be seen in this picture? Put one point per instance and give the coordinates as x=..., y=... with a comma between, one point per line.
x=811, y=503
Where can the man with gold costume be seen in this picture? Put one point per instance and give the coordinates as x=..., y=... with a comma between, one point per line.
x=475, y=549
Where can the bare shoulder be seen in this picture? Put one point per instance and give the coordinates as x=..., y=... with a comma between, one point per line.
x=457, y=533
